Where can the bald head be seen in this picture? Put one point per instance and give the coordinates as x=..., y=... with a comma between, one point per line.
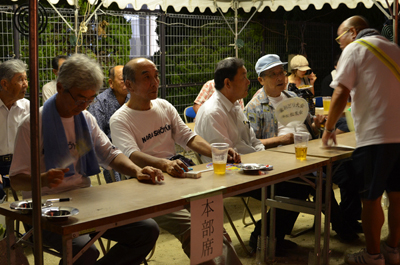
x=349, y=29
x=131, y=67
x=358, y=22
x=115, y=71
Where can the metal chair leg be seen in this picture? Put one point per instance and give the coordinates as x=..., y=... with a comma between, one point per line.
x=247, y=209
x=150, y=254
x=237, y=233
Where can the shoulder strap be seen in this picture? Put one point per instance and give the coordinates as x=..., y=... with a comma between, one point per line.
x=381, y=55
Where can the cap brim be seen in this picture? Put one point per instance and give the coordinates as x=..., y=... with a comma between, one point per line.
x=304, y=68
x=270, y=66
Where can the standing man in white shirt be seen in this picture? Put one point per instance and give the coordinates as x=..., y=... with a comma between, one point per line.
x=13, y=107
x=221, y=119
x=369, y=71
x=50, y=88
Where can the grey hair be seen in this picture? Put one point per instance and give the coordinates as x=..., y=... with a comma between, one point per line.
x=11, y=67
x=82, y=72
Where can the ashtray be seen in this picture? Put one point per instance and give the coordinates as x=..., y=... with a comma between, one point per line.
x=26, y=206
x=254, y=168
x=59, y=213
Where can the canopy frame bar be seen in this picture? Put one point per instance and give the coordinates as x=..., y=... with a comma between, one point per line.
x=235, y=7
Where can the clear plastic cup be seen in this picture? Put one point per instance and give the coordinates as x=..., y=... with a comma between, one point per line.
x=327, y=103
x=300, y=145
x=219, y=157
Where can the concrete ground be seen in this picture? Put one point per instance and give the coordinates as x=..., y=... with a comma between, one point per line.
x=168, y=249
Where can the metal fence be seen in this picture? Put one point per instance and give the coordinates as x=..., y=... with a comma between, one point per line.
x=184, y=47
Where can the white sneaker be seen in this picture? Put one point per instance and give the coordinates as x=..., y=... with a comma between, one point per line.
x=363, y=257
x=391, y=255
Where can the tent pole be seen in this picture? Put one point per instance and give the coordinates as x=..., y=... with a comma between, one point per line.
x=76, y=25
x=235, y=7
x=396, y=22
x=34, y=127
x=16, y=39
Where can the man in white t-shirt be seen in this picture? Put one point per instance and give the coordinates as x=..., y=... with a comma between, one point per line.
x=368, y=70
x=72, y=146
x=50, y=88
x=146, y=130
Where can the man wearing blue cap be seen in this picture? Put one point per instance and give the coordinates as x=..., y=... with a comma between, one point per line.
x=260, y=111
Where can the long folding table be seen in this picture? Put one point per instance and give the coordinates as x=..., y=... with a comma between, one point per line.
x=346, y=143
x=116, y=204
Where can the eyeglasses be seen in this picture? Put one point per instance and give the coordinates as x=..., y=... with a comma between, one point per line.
x=80, y=102
x=341, y=35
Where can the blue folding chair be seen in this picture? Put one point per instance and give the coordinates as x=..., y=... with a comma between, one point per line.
x=189, y=112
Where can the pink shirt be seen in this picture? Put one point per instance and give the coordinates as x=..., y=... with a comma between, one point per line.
x=206, y=92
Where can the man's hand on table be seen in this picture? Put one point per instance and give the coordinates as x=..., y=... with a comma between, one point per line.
x=54, y=177
x=233, y=156
x=326, y=138
x=150, y=174
x=176, y=168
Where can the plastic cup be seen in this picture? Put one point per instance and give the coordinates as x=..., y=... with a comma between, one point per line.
x=300, y=145
x=327, y=103
x=219, y=157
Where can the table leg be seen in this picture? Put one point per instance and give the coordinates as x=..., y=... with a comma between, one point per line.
x=271, y=238
x=318, y=210
x=11, y=252
x=263, y=224
x=327, y=229
x=67, y=250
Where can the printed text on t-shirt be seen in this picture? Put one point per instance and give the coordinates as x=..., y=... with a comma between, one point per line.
x=157, y=132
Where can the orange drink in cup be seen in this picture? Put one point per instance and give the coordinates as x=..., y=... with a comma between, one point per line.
x=300, y=145
x=219, y=157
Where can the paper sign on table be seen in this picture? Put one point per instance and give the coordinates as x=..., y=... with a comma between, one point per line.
x=207, y=220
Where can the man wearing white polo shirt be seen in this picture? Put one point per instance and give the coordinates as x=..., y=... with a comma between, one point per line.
x=13, y=108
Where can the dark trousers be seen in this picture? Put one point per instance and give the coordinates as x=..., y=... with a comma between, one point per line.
x=134, y=242
x=4, y=170
x=350, y=203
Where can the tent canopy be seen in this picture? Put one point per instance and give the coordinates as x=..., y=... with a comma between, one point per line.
x=246, y=5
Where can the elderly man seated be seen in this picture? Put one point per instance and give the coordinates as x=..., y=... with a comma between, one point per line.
x=221, y=119
x=106, y=104
x=146, y=130
x=72, y=144
x=13, y=108
x=205, y=93
x=261, y=113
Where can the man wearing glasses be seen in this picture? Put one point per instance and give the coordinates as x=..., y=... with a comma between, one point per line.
x=260, y=111
x=72, y=146
x=369, y=71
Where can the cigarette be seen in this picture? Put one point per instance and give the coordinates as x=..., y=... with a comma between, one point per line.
x=60, y=200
